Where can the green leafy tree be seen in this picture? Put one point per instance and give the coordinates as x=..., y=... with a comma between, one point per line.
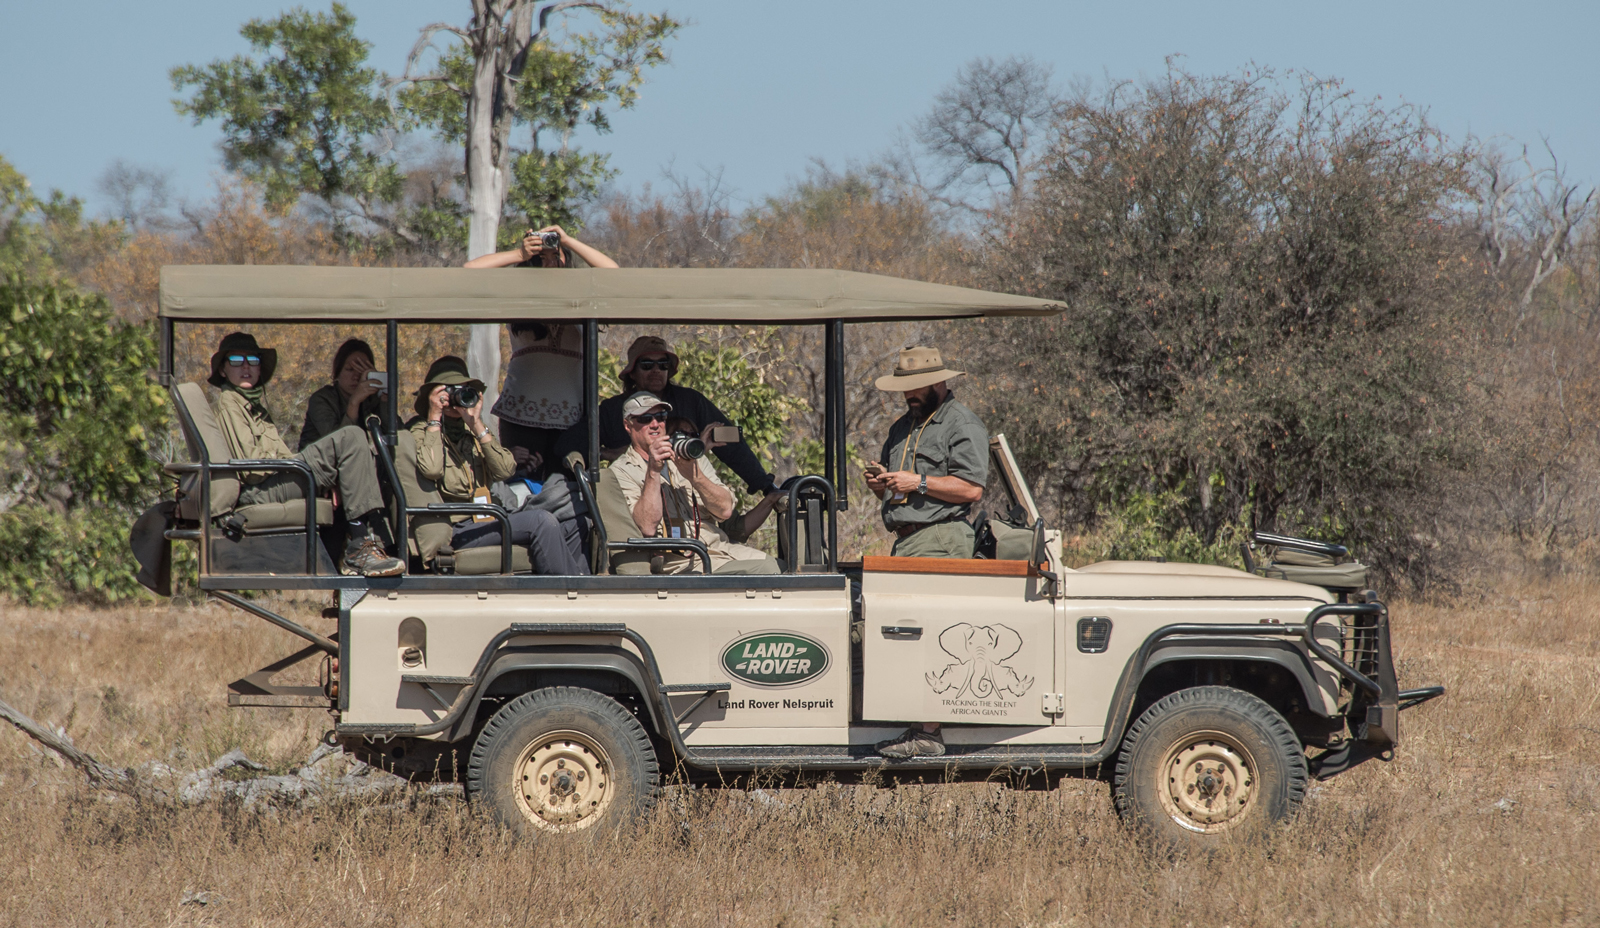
x=77, y=418
x=304, y=115
x=1272, y=314
x=44, y=239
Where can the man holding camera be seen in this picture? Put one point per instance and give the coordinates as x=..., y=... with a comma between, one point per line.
x=672, y=491
x=460, y=455
x=651, y=365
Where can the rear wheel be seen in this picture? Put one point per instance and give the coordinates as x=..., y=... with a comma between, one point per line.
x=1208, y=761
x=563, y=759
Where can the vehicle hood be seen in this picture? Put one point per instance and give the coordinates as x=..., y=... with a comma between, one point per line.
x=1156, y=580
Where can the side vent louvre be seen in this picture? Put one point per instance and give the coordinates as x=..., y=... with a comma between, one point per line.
x=1094, y=634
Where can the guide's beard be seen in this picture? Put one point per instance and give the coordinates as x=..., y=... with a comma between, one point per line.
x=921, y=407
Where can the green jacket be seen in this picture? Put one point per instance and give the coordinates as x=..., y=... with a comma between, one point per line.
x=325, y=414
x=950, y=443
x=250, y=431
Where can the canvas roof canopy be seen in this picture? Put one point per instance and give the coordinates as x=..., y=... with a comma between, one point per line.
x=281, y=293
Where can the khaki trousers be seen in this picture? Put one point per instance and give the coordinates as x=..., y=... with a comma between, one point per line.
x=342, y=459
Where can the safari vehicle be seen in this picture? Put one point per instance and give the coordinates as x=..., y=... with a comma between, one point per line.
x=1208, y=694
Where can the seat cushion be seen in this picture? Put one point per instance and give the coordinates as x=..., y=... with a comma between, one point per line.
x=486, y=560
x=264, y=517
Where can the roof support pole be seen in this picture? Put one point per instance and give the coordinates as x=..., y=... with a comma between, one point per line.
x=164, y=375
x=830, y=360
x=591, y=398
x=391, y=356
x=839, y=454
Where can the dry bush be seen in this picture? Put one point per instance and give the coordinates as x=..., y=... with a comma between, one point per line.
x=1489, y=815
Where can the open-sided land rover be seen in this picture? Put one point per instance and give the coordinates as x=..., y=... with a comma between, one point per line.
x=1208, y=694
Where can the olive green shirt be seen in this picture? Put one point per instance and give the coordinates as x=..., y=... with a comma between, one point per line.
x=461, y=467
x=950, y=443
x=326, y=413
x=250, y=431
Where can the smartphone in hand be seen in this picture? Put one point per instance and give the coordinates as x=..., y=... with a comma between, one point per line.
x=378, y=379
x=873, y=469
x=727, y=434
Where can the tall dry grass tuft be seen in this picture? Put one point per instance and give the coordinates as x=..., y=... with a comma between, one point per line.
x=1489, y=815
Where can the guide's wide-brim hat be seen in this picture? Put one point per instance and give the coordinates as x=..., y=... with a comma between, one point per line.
x=918, y=367
x=242, y=343
x=450, y=371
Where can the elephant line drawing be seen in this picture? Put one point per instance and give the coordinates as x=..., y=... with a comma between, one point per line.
x=980, y=653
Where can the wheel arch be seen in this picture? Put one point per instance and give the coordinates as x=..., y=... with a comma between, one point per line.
x=605, y=668
x=1274, y=671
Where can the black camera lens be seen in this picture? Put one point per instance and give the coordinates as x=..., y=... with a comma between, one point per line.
x=550, y=239
x=688, y=445
x=463, y=396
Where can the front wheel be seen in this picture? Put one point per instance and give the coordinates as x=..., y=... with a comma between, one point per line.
x=1208, y=761
x=563, y=759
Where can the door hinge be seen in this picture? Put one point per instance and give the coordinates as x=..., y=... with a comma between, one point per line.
x=1054, y=703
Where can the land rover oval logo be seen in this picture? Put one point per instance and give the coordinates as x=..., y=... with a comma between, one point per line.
x=775, y=659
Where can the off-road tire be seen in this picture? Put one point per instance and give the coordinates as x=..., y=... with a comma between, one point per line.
x=1208, y=762
x=563, y=731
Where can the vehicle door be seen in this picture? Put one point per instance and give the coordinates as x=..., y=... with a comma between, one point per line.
x=956, y=641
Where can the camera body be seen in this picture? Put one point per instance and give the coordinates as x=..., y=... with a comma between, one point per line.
x=550, y=239
x=462, y=395
x=687, y=445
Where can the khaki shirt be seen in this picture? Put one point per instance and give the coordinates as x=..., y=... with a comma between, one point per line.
x=251, y=433
x=683, y=511
x=460, y=468
x=950, y=443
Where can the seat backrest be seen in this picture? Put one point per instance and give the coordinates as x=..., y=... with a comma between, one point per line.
x=428, y=533
x=206, y=443
x=619, y=525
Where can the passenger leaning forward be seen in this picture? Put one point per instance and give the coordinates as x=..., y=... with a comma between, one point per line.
x=461, y=456
x=673, y=496
x=240, y=371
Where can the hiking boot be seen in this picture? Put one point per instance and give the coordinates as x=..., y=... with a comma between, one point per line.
x=914, y=743
x=369, y=560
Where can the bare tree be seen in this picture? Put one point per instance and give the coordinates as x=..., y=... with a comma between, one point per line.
x=1528, y=216
x=139, y=195
x=983, y=128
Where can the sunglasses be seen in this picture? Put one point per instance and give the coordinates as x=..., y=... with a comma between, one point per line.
x=240, y=360
x=653, y=365
x=650, y=417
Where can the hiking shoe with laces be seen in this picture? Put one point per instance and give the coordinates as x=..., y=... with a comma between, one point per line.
x=369, y=560
x=914, y=743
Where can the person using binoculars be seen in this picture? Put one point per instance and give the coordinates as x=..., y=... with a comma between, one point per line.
x=672, y=492
x=461, y=456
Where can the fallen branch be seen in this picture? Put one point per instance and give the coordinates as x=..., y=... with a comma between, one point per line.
x=102, y=776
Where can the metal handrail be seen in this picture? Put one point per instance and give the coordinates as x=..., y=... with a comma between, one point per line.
x=795, y=486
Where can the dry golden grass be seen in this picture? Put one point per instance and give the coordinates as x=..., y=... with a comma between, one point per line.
x=1415, y=842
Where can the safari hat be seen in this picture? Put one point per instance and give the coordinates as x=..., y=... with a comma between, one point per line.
x=649, y=344
x=641, y=403
x=918, y=367
x=448, y=370
x=242, y=343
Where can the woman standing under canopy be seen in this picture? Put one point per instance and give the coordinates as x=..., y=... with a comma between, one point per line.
x=543, y=391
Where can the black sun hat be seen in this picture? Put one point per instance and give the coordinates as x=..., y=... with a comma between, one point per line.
x=242, y=343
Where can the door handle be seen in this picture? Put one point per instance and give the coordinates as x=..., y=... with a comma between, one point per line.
x=908, y=631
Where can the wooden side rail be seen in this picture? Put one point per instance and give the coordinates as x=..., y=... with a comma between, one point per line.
x=949, y=566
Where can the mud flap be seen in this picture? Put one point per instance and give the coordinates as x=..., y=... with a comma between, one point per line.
x=151, y=547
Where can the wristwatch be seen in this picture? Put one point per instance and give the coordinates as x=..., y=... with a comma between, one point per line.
x=923, y=486
x=435, y=424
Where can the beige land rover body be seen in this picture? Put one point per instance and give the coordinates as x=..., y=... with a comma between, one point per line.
x=1207, y=694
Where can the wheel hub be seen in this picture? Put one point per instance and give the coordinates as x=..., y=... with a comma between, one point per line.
x=563, y=781
x=1210, y=783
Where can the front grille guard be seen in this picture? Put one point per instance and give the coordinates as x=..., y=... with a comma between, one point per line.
x=1366, y=659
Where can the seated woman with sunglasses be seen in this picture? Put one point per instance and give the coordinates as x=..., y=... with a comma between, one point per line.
x=240, y=370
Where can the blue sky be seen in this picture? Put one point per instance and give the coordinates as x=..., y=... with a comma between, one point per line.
x=758, y=89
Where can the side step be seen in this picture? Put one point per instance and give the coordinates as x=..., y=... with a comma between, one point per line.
x=257, y=689
x=1030, y=757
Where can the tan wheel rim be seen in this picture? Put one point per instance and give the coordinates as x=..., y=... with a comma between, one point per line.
x=563, y=781
x=1208, y=782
